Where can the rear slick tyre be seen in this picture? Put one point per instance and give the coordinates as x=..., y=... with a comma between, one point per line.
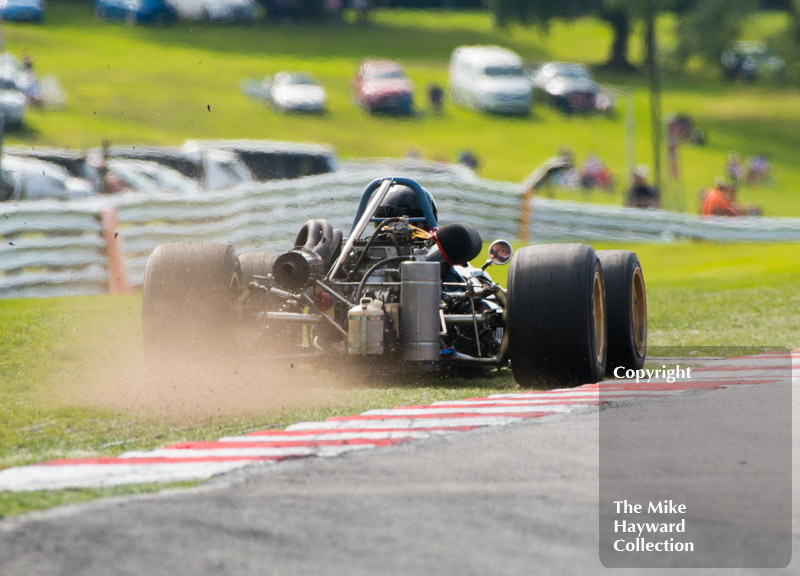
x=190, y=301
x=555, y=317
x=626, y=305
x=254, y=264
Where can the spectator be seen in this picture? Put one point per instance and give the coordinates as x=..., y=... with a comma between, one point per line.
x=641, y=194
x=595, y=174
x=435, y=97
x=758, y=170
x=29, y=83
x=721, y=201
x=110, y=182
x=569, y=176
x=683, y=127
x=735, y=168
x=413, y=153
x=469, y=159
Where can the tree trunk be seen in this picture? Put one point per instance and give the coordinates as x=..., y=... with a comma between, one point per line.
x=792, y=7
x=620, y=24
x=649, y=42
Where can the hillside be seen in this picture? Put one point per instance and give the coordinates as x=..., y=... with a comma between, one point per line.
x=132, y=84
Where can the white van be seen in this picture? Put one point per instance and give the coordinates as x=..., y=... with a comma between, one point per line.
x=490, y=79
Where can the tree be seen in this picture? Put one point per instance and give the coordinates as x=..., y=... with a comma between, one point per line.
x=710, y=27
x=618, y=18
x=786, y=43
x=792, y=9
x=617, y=13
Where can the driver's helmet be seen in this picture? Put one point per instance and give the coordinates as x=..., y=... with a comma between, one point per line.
x=402, y=201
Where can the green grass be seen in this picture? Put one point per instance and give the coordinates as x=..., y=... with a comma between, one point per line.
x=155, y=85
x=12, y=504
x=58, y=353
x=705, y=294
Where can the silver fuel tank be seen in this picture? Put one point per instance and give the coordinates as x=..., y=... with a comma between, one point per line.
x=420, y=295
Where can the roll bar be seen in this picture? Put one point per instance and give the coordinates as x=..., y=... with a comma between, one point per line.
x=370, y=203
x=420, y=192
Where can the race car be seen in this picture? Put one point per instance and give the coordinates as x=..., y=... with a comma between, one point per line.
x=399, y=292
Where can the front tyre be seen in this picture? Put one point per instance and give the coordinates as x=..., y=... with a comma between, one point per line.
x=626, y=302
x=556, y=316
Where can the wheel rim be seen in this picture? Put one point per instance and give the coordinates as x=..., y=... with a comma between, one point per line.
x=599, y=313
x=639, y=312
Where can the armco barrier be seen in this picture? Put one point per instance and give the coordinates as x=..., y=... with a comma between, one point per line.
x=57, y=248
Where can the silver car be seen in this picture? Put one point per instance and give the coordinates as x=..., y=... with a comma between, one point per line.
x=12, y=105
x=293, y=92
x=569, y=87
x=144, y=176
x=40, y=179
x=490, y=79
x=215, y=10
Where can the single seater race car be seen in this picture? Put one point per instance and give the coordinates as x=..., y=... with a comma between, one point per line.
x=398, y=292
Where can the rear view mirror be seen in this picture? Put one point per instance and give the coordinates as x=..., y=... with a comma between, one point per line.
x=500, y=252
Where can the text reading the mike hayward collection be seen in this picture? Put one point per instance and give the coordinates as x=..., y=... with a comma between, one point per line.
x=650, y=536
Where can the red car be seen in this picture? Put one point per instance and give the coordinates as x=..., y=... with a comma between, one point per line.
x=382, y=86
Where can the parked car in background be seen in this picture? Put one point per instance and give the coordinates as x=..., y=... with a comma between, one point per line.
x=40, y=179
x=216, y=10
x=567, y=86
x=73, y=161
x=751, y=60
x=270, y=159
x=490, y=79
x=12, y=104
x=136, y=11
x=382, y=86
x=10, y=185
x=295, y=92
x=22, y=10
x=143, y=176
x=223, y=169
x=16, y=76
x=169, y=156
x=175, y=169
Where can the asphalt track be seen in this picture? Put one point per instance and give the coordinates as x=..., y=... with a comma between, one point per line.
x=517, y=499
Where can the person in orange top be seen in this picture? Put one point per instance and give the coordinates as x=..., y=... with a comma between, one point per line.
x=721, y=201
x=718, y=201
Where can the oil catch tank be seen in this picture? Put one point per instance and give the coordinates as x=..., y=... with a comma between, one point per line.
x=420, y=295
x=365, y=328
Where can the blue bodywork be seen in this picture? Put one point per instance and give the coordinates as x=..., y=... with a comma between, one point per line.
x=22, y=10
x=138, y=11
x=423, y=199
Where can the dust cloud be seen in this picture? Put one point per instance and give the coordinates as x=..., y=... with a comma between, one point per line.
x=189, y=386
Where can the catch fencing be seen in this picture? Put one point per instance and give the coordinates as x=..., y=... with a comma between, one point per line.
x=54, y=248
